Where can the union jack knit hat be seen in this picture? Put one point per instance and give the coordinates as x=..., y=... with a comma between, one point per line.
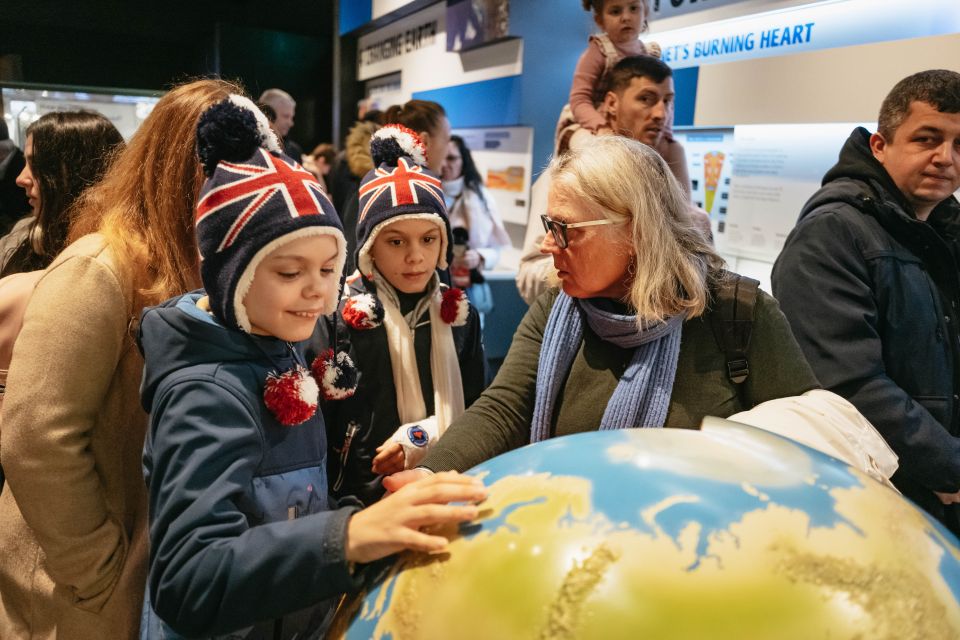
x=400, y=187
x=255, y=199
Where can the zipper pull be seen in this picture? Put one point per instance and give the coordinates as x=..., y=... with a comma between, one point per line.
x=352, y=429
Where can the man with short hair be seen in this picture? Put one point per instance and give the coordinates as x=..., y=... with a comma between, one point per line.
x=638, y=101
x=285, y=107
x=870, y=283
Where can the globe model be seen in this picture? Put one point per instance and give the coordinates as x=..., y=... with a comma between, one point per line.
x=728, y=533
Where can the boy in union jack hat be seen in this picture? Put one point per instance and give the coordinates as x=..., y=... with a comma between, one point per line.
x=243, y=534
x=416, y=342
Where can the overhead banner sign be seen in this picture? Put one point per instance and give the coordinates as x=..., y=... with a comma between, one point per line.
x=669, y=8
x=824, y=25
x=383, y=50
x=381, y=8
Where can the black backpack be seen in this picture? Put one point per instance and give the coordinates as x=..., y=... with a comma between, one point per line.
x=731, y=320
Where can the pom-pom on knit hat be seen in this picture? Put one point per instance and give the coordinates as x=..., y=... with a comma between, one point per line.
x=255, y=199
x=399, y=188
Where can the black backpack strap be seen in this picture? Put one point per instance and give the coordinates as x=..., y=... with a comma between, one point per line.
x=732, y=322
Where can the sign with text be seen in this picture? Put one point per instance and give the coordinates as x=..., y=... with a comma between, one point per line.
x=504, y=158
x=384, y=50
x=823, y=25
x=776, y=169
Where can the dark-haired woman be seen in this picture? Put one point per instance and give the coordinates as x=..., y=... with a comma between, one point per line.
x=472, y=207
x=66, y=152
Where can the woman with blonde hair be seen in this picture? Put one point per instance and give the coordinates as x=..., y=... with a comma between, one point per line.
x=73, y=516
x=626, y=341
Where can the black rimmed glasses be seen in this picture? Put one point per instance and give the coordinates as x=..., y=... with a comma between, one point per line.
x=559, y=229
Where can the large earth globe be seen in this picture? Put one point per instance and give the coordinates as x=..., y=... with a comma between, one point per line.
x=731, y=532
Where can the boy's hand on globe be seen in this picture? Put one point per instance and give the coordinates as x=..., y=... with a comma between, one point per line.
x=396, y=522
x=390, y=459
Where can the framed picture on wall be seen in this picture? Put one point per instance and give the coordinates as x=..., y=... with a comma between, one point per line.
x=473, y=23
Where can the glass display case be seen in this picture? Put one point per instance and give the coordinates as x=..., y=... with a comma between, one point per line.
x=24, y=103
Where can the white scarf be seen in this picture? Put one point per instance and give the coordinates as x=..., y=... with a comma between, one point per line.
x=444, y=367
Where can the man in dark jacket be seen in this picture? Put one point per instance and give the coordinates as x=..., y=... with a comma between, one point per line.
x=870, y=284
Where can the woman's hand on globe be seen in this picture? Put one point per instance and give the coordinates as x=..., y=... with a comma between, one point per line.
x=395, y=482
x=395, y=523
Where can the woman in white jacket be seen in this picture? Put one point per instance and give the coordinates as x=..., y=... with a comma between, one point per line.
x=472, y=207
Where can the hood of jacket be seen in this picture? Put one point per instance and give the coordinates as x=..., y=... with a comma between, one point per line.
x=177, y=334
x=860, y=180
x=357, y=148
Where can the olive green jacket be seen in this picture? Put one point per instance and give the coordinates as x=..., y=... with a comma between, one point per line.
x=500, y=419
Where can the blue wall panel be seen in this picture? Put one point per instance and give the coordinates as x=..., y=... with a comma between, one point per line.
x=685, y=84
x=354, y=14
x=553, y=40
x=489, y=103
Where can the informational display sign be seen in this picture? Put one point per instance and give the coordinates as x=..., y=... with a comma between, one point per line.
x=24, y=106
x=416, y=47
x=387, y=50
x=504, y=157
x=823, y=25
x=710, y=155
x=776, y=168
x=473, y=23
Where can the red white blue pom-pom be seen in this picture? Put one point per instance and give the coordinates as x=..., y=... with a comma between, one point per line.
x=363, y=311
x=337, y=374
x=454, y=307
x=291, y=396
x=394, y=141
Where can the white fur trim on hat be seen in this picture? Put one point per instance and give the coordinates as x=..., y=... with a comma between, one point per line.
x=246, y=279
x=270, y=140
x=365, y=262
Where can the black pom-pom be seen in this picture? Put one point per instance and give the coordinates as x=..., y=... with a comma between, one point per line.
x=395, y=141
x=228, y=132
x=385, y=151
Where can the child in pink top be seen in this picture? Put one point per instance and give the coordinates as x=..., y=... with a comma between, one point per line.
x=622, y=22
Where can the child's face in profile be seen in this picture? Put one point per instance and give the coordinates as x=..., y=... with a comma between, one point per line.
x=291, y=287
x=622, y=20
x=406, y=253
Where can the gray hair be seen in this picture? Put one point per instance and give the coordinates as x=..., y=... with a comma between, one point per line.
x=276, y=97
x=626, y=181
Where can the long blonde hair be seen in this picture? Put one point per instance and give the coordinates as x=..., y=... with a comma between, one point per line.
x=144, y=206
x=628, y=182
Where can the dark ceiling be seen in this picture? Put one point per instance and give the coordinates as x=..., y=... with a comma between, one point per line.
x=136, y=44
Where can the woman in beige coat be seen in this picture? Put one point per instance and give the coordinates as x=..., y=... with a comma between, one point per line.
x=73, y=537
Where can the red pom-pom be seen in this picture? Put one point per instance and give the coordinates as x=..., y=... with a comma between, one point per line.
x=363, y=311
x=454, y=307
x=291, y=396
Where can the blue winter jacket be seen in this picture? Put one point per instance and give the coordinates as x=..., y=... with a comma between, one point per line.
x=243, y=533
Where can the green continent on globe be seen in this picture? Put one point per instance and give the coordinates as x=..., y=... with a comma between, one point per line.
x=548, y=560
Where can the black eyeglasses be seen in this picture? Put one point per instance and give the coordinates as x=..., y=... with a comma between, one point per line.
x=559, y=229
